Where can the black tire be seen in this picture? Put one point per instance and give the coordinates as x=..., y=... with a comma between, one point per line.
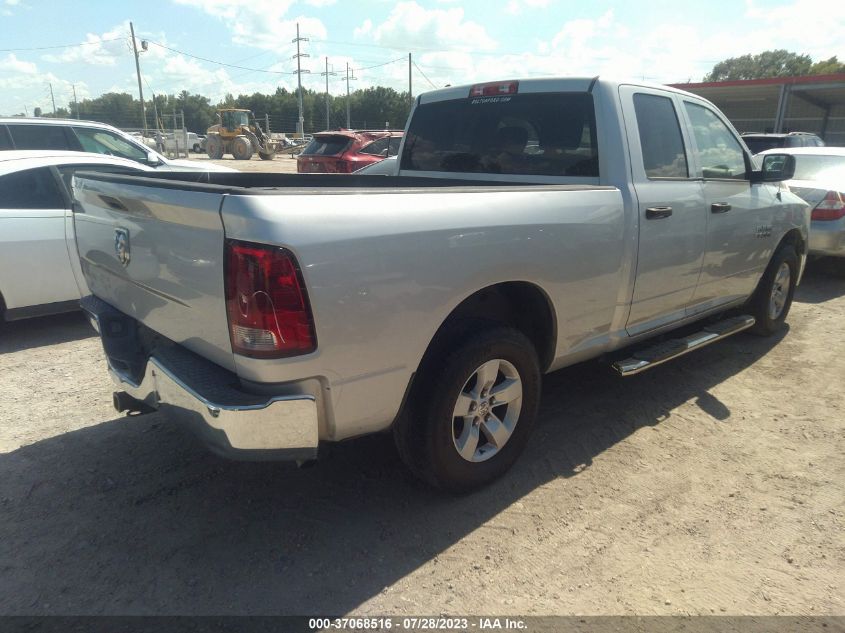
x=759, y=306
x=426, y=432
x=242, y=148
x=267, y=155
x=214, y=147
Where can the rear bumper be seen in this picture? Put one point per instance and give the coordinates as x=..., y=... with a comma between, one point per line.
x=828, y=238
x=208, y=399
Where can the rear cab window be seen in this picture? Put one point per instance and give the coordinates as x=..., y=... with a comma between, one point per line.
x=537, y=134
x=329, y=145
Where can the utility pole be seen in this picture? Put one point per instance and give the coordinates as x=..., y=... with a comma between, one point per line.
x=155, y=113
x=327, y=73
x=138, y=71
x=75, y=102
x=300, y=125
x=348, y=79
x=410, y=91
x=52, y=99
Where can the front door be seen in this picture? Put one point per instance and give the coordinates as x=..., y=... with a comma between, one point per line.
x=739, y=214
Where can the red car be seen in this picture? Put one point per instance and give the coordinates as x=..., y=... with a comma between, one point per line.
x=346, y=151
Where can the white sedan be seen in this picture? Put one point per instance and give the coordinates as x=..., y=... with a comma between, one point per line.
x=820, y=181
x=39, y=266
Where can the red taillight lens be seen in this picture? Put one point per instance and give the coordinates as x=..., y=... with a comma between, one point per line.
x=832, y=207
x=495, y=89
x=266, y=302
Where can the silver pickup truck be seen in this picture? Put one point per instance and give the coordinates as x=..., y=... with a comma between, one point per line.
x=531, y=225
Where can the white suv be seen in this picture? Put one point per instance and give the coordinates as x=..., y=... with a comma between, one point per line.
x=88, y=136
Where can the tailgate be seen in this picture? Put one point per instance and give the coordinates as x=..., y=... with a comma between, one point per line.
x=154, y=251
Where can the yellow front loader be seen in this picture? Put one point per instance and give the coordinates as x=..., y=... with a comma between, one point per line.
x=234, y=134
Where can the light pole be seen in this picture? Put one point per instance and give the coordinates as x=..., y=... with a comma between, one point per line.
x=300, y=125
x=138, y=71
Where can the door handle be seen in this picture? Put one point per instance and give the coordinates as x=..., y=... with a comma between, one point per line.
x=656, y=213
x=720, y=207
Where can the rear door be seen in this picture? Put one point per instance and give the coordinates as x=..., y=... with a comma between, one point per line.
x=672, y=217
x=34, y=263
x=739, y=214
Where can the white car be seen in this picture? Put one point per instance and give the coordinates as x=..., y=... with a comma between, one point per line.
x=88, y=136
x=39, y=267
x=820, y=181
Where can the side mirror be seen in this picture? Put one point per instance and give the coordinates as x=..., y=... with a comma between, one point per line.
x=153, y=159
x=776, y=168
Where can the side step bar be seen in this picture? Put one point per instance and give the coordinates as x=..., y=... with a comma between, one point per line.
x=667, y=350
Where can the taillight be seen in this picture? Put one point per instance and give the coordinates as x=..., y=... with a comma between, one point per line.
x=266, y=302
x=832, y=207
x=495, y=89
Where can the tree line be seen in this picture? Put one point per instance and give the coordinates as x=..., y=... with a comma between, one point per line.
x=372, y=107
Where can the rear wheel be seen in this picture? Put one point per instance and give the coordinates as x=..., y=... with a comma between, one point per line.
x=242, y=148
x=469, y=419
x=771, y=301
x=214, y=147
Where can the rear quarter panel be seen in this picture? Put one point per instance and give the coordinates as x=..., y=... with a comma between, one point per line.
x=384, y=270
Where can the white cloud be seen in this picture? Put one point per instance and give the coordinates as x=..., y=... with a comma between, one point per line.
x=11, y=64
x=515, y=7
x=261, y=23
x=320, y=3
x=99, y=50
x=409, y=25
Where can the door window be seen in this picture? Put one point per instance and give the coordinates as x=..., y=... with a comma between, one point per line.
x=30, y=189
x=376, y=148
x=105, y=142
x=719, y=153
x=660, y=137
x=39, y=137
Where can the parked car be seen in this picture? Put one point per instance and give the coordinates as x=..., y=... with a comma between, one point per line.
x=89, y=136
x=347, y=151
x=820, y=181
x=39, y=267
x=759, y=142
x=430, y=303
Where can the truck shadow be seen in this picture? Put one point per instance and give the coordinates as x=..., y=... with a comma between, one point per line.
x=131, y=516
x=17, y=336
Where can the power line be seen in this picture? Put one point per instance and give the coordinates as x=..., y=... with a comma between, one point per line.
x=45, y=48
x=219, y=63
x=430, y=83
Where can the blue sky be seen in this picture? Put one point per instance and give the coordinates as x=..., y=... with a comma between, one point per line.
x=451, y=41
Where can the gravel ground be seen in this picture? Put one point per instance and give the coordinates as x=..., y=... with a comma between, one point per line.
x=713, y=484
x=282, y=163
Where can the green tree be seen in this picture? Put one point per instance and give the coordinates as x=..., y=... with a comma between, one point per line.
x=776, y=63
x=827, y=67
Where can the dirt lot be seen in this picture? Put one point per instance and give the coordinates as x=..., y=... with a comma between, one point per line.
x=281, y=163
x=714, y=484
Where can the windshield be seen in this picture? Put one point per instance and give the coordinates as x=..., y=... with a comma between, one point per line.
x=232, y=120
x=819, y=167
x=530, y=134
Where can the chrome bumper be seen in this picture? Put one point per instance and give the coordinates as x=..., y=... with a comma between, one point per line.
x=208, y=398
x=828, y=238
